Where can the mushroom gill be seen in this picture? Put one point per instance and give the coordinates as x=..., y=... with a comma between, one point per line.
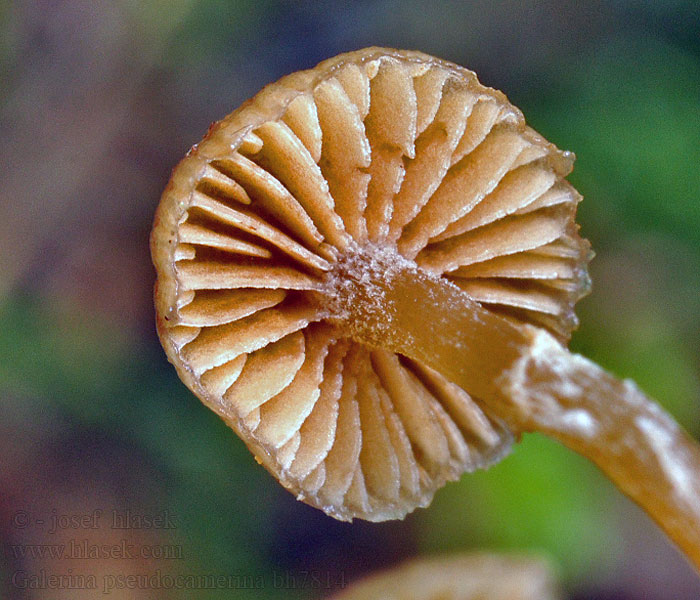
x=369, y=272
x=279, y=228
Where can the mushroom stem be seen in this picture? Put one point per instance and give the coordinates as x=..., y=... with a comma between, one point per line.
x=529, y=380
x=612, y=423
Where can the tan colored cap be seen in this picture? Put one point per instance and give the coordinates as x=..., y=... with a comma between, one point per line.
x=461, y=577
x=279, y=233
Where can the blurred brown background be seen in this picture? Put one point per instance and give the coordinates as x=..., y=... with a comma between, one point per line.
x=100, y=99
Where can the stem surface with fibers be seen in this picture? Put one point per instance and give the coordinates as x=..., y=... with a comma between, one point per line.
x=525, y=377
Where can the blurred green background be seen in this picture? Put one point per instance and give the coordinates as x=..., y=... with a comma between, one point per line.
x=99, y=99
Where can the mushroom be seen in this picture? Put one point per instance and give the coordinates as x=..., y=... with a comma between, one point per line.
x=369, y=272
x=476, y=576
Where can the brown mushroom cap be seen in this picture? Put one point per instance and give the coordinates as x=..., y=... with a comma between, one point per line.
x=460, y=577
x=305, y=199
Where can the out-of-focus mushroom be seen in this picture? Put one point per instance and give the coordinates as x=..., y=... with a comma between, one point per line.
x=461, y=577
x=369, y=272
